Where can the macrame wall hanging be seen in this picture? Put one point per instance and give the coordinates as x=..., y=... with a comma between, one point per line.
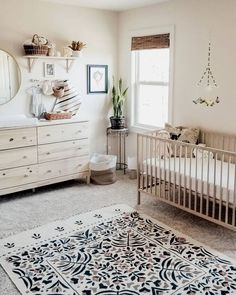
x=207, y=99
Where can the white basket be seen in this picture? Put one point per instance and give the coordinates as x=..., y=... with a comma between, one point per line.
x=100, y=162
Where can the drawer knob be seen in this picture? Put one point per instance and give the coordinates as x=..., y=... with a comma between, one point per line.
x=79, y=165
x=48, y=153
x=11, y=139
x=48, y=135
x=26, y=175
x=4, y=174
x=79, y=148
x=24, y=157
x=24, y=137
x=49, y=171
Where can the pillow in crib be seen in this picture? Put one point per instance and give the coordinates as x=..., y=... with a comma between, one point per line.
x=173, y=131
x=188, y=135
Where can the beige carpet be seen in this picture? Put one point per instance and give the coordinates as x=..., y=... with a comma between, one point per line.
x=23, y=211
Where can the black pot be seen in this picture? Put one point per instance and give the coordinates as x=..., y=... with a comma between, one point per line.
x=117, y=123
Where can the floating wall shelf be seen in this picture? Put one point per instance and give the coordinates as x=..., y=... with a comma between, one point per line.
x=33, y=58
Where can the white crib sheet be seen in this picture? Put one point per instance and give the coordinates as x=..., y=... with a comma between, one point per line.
x=198, y=176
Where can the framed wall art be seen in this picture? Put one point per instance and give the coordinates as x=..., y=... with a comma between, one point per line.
x=49, y=70
x=97, y=79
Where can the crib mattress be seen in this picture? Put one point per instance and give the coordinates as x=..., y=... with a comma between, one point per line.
x=196, y=175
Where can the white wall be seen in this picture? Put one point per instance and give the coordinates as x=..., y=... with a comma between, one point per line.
x=19, y=20
x=194, y=21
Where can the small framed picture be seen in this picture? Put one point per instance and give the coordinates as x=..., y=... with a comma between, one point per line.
x=49, y=70
x=97, y=79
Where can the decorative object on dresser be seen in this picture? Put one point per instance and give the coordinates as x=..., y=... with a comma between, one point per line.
x=114, y=250
x=10, y=77
x=42, y=154
x=97, y=79
x=118, y=99
x=57, y=116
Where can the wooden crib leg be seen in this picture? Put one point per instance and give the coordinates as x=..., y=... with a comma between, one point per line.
x=139, y=198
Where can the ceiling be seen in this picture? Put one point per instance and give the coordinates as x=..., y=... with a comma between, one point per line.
x=115, y=5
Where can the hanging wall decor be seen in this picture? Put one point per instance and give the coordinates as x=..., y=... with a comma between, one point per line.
x=208, y=99
x=97, y=79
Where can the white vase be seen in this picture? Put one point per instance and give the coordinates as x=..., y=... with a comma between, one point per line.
x=76, y=53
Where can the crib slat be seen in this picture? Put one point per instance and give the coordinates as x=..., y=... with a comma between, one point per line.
x=151, y=163
x=227, y=200
x=221, y=189
x=196, y=181
x=185, y=157
x=160, y=176
x=179, y=187
x=138, y=167
x=155, y=159
x=169, y=175
x=208, y=183
x=142, y=163
x=234, y=195
x=214, y=188
x=174, y=172
x=190, y=182
x=164, y=170
x=146, y=153
x=202, y=183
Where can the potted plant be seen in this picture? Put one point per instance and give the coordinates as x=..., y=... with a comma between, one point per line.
x=118, y=99
x=76, y=47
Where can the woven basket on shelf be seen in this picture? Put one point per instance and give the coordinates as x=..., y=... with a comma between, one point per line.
x=34, y=49
x=57, y=116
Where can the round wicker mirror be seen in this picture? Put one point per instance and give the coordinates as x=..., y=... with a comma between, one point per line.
x=10, y=77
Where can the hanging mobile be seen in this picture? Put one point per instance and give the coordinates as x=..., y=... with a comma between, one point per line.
x=211, y=83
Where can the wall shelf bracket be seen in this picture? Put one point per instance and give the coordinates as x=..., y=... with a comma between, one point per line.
x=31, y=59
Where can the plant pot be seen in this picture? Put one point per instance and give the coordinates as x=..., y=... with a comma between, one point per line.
x=117, y=123
x=76, y=53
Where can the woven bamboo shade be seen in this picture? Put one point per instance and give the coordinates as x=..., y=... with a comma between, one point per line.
x=151, y=42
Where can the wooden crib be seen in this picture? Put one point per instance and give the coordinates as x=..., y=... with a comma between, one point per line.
x=199, y=180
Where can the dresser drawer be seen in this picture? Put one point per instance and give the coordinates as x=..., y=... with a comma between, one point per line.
x=17, y=138
x=18, y=176
x=64, y=132
x=63, y=150
x=63, y=167
x=18, y=157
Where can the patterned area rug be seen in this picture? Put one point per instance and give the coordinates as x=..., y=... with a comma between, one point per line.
x=113, y=251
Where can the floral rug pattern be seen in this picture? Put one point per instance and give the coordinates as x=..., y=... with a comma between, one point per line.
x=125, y=254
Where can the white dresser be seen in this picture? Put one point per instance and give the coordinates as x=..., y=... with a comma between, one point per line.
x=46, y=153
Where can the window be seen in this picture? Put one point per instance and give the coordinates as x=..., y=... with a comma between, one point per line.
x=151, y=81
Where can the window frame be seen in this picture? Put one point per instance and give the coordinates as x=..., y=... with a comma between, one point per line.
x=134, y=60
